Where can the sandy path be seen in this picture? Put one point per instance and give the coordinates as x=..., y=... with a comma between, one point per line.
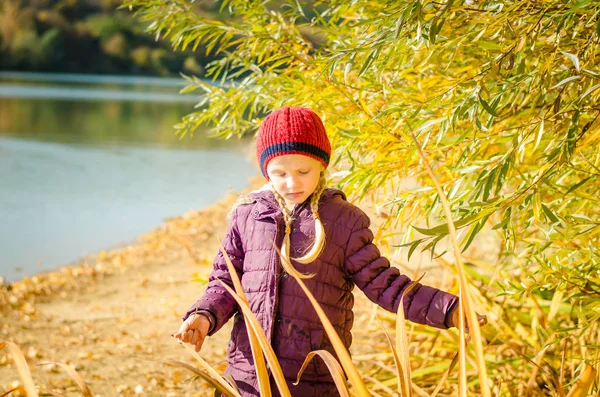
x=114, y=332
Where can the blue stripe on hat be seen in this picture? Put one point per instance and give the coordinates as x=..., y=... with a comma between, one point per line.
x=292, y=147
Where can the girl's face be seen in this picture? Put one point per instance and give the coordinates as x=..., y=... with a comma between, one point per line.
x=294, y=176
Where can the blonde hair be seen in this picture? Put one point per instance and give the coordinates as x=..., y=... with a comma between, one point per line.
x=319, y=242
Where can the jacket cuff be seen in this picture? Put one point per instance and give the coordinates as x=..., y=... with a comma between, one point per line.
x=448, y=319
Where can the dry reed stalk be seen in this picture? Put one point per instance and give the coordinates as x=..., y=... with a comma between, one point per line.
x=445, y=376
x=264, y=343
x=538, y=362
x=214, y=375
x=337, y=373
x=85, y=390
x=22, y=367
x=403, y=364
x=466, y=302
x=228, y=391
x=264, y=385
x=231, y=381
x=398, y=362
x=10, y=391
x=334, y=338
x=582, y=386
x=379, y=385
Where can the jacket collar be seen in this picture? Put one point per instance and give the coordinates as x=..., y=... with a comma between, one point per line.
x=267, y=207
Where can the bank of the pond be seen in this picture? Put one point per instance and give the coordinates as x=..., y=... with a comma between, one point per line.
x=111, y=316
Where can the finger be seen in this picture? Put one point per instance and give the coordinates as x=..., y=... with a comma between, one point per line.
x=182, y=329
x=180, y=335
x=189, y=335
x=199, y=345
x=185, y=336
x=179, y=332
x=195, y=337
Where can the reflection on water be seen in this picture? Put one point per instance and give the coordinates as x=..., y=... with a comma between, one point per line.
x=80, y=176
x=101, y=122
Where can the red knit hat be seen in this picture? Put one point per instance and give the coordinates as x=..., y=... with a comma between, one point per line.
x=292, y=130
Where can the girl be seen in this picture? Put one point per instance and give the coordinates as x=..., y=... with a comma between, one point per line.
x=326, y=238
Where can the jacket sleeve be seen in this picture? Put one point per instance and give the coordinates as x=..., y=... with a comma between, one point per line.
x=216, y=303
x=383, y=284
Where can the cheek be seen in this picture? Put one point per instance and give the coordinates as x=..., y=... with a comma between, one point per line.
x=276, y=184
x=314, y=182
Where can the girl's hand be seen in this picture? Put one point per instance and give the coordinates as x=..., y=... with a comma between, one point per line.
x=193, y=330
x=481, y=319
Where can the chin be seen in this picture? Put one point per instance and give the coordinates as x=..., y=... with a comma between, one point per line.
x=298, y=200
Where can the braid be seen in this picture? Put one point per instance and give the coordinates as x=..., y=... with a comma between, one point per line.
x=316, y=196
x=319, y=242
x=285, y=245
x=287, y=216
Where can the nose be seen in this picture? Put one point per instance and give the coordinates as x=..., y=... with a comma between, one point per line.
x=291, y=183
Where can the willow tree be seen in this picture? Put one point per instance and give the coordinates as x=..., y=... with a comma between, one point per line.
x=502, y=97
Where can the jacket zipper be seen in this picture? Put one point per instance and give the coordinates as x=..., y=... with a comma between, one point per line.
x=278, y=269
x=278, y=241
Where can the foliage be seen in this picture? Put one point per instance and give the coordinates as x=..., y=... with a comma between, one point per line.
x=502, y=97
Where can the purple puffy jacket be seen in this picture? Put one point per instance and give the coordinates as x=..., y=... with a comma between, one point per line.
x=285, y=313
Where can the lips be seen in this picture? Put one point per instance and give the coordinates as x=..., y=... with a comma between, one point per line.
x=293, y=195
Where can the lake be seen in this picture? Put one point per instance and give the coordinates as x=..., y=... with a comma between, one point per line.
x=91, y=162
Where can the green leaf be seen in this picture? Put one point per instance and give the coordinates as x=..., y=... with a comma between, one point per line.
x=549, y=214
x=502, y=174
x=436, y=27
x=468, y=170
x=442, y=229
x=370, y=58
x=399, y=22
x=428, y=124
x=487, y=107
x=489, y=183
x=413, y=247
x=475, y=229
x=501, y=225
x=565, y=81
x=347, y=69
x=387, y=111
x=432, y=244
x=578, y=185
x=573, y=59
x=300, y=10
x=539, y=135
x=589, y=91
x=481, y=126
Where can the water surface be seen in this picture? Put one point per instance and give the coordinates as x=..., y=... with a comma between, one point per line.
x=90, y=164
